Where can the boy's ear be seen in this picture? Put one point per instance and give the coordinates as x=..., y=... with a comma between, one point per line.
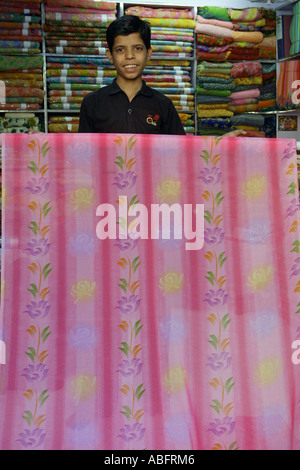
x=149, y=53
x=109, y=56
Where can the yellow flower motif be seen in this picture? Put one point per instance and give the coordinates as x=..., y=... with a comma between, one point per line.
x=169, y=190
x=83, y=290
x=174, y=379
x=82, y=198
x=171, y=282
x=83, y=386
x=260, y=277
x=254, y=187
x=267, y=371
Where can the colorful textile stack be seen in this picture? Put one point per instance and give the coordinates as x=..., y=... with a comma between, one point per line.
x=295, y=30
x=63, y=124
x=20, y=27
x=226, y=87
x=23, y=78
x=228, y=34
x=288, y=93
x=172, y=41
x=77, y=26
x=69, y=79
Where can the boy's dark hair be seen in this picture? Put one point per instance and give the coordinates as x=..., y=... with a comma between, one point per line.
x=126, y=25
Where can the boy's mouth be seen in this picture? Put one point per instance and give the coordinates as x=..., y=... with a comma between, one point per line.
x=131, y=66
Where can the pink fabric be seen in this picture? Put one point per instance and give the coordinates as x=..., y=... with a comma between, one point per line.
x=142, y=344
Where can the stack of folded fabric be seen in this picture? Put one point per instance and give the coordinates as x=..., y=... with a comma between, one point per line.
x=214, y=87
x=69, y=79
x=77, y=26
x=172, y=43
x=19, y=123
x=288, y=92
x=20, y=27
x=23, y=79
x=295, y=30
x=63, y=124
x=237, y=34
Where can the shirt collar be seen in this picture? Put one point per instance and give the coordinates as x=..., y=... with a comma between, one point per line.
x=145, y=90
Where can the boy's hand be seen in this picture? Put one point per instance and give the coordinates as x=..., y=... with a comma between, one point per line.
x=236, y=133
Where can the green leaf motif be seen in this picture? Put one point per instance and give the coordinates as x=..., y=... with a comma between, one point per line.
x=229, y=385
x=44, y=334
x=33, y=167
x=208, y=217
x=217, y=406
x=34, y=227
x=139, y=392
x=43, y=397
x=45, y=149
x=28, y=418
x=219, y=199
x=135, y=264
x=31, y=353
x=225, y=322
x=137, y=328
x=211, y=277
x=131, y=142
x=123, y=285
x=125, y=349
x=205, y=156
x=33, y=290
x=296, y=245
x=214, y=341
x=120, y=162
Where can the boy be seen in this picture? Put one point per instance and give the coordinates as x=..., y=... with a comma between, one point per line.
x=128, y=105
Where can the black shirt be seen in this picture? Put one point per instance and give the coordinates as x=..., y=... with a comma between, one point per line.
x=108, y=110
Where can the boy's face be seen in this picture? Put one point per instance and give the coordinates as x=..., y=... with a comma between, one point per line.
x=129, y=56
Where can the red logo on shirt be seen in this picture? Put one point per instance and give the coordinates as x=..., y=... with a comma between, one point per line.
x=152, y=120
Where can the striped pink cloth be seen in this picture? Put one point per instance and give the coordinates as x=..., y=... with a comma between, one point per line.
x=144, y=343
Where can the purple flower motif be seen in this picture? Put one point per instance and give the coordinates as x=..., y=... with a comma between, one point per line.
x=125, y=180
x=296, y=267
x=35, y=373
x=32, y=439
x=219, y=361
x=38, y=185
x=290, y=151
x=132, y=433
x=82, y=244
x=216, y=297
x=298, y=333
x=130, y=368
x=38, y=247
x=126, y=244
x=212, y=236
x=37, y=310
x=210, y=175
x=222, y=427
x=130, y=304
x=294, y=207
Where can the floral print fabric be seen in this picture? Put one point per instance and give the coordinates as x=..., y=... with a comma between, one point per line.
x=118, y=338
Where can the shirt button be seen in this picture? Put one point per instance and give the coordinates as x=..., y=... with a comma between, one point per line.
x=129, y=111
